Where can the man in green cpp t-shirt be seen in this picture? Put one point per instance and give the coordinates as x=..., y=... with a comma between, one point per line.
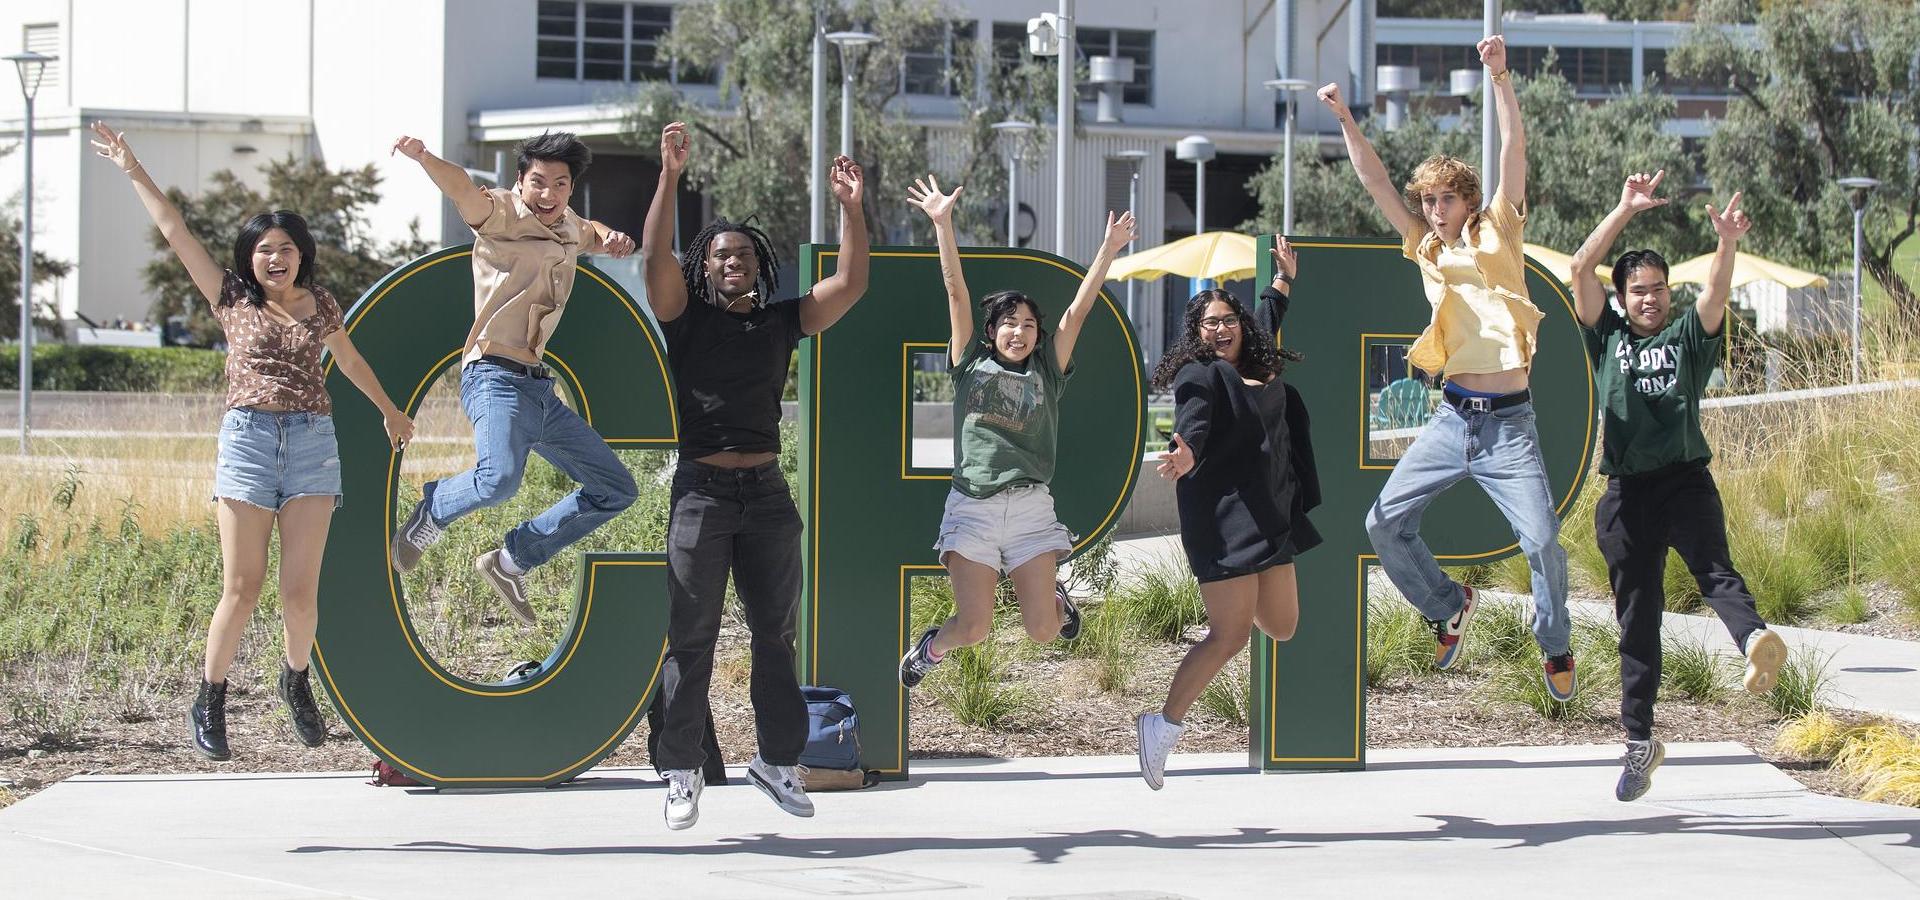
x=1651, y=368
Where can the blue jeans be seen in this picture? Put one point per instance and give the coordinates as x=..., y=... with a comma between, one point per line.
x=1501, y=451
x=513, y=414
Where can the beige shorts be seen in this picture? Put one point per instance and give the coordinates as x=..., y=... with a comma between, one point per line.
x=1004, y=531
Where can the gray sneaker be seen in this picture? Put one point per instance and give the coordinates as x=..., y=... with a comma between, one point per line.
x=511, y=588
x=1642, y=758
x=683, y=797
x=413, y=538
x=782, y=783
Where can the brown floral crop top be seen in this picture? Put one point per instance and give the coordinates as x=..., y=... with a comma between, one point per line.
x=271, y=362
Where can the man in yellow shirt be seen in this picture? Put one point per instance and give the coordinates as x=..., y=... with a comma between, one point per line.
x=1482, y=339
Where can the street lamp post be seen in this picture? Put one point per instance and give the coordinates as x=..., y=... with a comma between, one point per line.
x=816, y=176
x=1013, y=134
x=1196, y=149
x=1134, y=159
x=30, y=66
x=850, y=44
x=1288, y=88
x=1858, y=188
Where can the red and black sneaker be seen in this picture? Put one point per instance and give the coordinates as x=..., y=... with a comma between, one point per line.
x=1450, y=635
x=1560, y=682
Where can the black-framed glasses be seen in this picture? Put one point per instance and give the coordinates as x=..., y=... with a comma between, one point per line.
x=1215, y=323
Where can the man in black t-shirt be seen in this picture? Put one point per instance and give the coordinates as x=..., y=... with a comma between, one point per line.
x=1651, y=369
x=732, y=511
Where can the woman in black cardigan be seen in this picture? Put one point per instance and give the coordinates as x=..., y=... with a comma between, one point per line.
x=1244, y=478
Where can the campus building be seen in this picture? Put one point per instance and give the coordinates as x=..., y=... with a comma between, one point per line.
x=202, y=86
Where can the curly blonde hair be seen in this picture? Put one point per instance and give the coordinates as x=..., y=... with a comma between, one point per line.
x=1444, y=173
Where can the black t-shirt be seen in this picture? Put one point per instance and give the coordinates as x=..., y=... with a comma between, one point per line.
x=728, y=370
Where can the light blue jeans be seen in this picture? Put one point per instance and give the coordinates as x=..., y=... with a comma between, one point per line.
x=513, y=414
x=1501, y=451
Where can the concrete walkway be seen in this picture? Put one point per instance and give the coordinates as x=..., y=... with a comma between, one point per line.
x=1864, y=673
x=1505, y=822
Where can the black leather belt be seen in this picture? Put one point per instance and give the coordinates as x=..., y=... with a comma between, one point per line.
x=515, y=366
x=1485, y=404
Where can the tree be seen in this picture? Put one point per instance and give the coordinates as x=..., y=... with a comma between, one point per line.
x=45, y=268
x=1824, y=91
x=1577, y=155
x=348, y=258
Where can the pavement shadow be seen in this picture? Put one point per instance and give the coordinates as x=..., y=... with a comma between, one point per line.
x=1053, y=847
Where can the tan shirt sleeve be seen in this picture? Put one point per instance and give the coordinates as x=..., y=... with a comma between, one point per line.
x=1410, y=241
x=1509, y=222
x=500, y=216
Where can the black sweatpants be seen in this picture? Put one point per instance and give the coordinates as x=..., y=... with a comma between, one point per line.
x=1637, y=519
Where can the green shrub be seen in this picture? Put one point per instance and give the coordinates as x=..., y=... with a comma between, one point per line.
x=1802, y=685
x=1162, y=602
x=90, y=367
x=1398, y=641
x=1691, y=668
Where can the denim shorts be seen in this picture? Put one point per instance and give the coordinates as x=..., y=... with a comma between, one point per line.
x=268, y=458
x=1004, y=531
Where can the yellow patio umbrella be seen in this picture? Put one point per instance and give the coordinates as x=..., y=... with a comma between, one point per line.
x=1747, y=269
x=1219, y=255
x=1560, y=264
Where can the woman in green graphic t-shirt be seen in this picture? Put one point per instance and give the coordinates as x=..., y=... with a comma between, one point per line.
x=999, y=518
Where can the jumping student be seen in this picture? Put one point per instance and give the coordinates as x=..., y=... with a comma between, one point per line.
x=1244, y=480
x=1482, y=338
x=279, y=461
x=731, y=510
x=526, y=243
x=1650, y=368
x=999, y=519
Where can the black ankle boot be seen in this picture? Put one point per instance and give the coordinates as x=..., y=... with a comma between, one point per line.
x=297, y=692
x=207, y=718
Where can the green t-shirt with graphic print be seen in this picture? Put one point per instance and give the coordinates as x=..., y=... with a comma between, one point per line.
x=1005, y=420
x=1650, y=389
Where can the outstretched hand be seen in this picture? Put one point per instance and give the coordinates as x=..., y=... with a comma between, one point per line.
x=925, y=194
x=674, y=148
x=1730, y=224
x=410, y=147
x=1637, y=195
x=1120, y=231
x=847, y=182
x=1285, y=260
x=1177, y=461
x=113, y=146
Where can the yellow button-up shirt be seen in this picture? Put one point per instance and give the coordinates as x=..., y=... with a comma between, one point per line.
x=522, y=274
x=1483, y=322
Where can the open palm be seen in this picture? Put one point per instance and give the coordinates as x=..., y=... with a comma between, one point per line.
x=1637, y=194
x=113, y=146
x=926, y=194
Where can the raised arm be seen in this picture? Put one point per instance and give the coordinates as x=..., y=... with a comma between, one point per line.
x=1513, y=135
x=925, y=194
x=207, y=275
x=1731, y=225
x=1286, y=265
x=1119, y=234
x=666, y=286
x=831, y=298
x=1367, y=165
x=1589, y=296
x=354, y=366
x=469, y=199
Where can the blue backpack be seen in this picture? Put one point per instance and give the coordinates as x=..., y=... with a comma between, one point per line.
x=833, y=730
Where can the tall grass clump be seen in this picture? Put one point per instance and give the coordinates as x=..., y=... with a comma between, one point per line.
x=1399, y=641
x=1691, y=668
x=1878, y=759
x=1802, y=685
x=972, y=686
x=1161, y=602
x=1106, y=638
x=1225, y=698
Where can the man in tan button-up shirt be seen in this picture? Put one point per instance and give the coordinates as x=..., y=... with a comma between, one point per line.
x=526, y=243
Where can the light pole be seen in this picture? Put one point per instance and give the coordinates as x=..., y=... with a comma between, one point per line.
x=1134, y=159
x=850, y=44
x=1288, y=87
x=816, y=177
x=1489, y=128
x=30, y=66
x=1013, y=134
x=1858, y=187
x=1196, y=149
x=1062, y=193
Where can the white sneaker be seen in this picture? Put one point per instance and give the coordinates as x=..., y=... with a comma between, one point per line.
x=683, y=797
x=1157, y=737
x=785, y=784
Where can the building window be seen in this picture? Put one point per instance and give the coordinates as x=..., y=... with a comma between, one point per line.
x=44, y=38
x=1135, y=45
x=619, y=42
x=933, y=68
x=1009, y=47
x=1655, y=64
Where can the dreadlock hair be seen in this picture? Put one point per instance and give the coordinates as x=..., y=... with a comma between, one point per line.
x=693, y=263
x=1259, y=358
x=1001, y=304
